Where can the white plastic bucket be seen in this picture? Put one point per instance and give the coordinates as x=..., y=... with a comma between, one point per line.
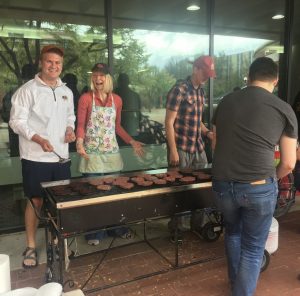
x=21, y=292
x=50, y=289
x=272, y=240
x=5, y=284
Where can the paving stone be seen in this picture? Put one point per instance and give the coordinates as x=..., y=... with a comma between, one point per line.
x=202, y=279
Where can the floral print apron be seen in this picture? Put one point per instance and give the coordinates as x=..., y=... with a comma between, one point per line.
x=100, y=141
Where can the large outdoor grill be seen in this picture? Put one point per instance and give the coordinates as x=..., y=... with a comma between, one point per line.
x=76, y=206
x=76, y=213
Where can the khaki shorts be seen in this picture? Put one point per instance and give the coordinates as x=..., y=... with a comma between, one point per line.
x=195, y=160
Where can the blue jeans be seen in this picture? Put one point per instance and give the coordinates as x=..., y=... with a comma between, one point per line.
x=247, y=210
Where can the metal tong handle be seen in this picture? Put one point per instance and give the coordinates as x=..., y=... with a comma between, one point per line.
x=61, y=159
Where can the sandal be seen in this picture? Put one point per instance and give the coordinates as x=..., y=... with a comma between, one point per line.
x=30, y=254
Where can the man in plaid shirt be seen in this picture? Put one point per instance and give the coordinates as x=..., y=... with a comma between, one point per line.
x=184, y=126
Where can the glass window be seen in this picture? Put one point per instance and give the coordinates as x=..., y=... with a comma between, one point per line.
x=153, y=51
x=239, y=40
x=77, y=26
x=23, y=36
x=153, y=42
x=295, y=71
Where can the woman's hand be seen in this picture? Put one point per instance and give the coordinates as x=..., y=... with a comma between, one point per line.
x=80, y=148
x=137, y=147
x=69, y=135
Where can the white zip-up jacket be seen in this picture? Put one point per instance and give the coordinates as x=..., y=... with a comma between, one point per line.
x=39, y=109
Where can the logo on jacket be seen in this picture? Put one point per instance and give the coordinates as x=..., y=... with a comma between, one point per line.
x=65, y=97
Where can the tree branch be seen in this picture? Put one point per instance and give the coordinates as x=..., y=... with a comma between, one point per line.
x=26, y=47
x=15, y=68
x=6, y=62
x=37, y=47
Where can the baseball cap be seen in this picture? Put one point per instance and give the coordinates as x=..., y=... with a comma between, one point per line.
x=52, y=48
x=206, y=63
x=101, y=67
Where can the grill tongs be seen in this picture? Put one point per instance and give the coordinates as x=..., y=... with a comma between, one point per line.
x=61, y=159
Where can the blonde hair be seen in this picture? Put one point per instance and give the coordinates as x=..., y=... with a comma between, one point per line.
x=108, y=84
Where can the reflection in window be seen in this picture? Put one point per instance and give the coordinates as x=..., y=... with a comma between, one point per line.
x=83, y=45
x=158, y=37
x=233, y=56
x=157, y=60
x=80, y=31
x=239, y=40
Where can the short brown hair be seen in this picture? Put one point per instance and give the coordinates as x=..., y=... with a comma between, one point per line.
x=52, y=48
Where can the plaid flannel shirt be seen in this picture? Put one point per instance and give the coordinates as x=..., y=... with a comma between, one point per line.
x=188, y=102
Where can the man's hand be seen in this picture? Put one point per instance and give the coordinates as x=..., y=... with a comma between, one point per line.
x=298, y=153
x=44, y=143
x=46, y=146
x=69, y=135
x=288, y=156
x=173, y=158
x=170, y=133
x=80, y=148
x=210, y=135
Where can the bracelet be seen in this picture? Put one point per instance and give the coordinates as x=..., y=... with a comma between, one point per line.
x=79, y=142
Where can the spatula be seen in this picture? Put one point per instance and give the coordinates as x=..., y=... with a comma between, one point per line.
x=61, y=159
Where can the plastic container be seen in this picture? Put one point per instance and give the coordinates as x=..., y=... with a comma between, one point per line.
x=272, y=241
x=5, y=284
x=21, y=292
x=276, y=155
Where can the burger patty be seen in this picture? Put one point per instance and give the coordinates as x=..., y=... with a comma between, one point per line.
x=108, y=180
x=187, y=179
x=160, y=182
x=137, y=179
x=145, y=183
x=161, y=176
x=104, y=187
x=122, y=179
x=170, y=179
x=96, y=181
x=126, y=185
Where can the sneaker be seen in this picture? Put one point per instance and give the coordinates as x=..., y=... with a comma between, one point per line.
x=93, y=242
x=128, y=235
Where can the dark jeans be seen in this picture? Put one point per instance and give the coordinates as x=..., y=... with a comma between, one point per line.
x=247, y=211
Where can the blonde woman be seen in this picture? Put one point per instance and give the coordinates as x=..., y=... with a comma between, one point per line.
x=98, y=122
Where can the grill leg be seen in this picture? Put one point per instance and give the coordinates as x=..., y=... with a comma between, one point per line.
x=176, y=241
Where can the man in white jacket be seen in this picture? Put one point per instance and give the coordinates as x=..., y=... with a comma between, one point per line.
x=42, y=115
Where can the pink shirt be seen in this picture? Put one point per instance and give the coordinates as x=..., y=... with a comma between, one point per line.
x=85, y=109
